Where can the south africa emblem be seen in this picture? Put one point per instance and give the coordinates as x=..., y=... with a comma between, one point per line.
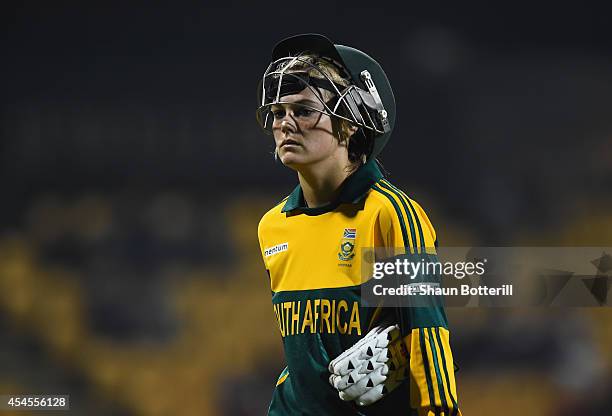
x=347, y=245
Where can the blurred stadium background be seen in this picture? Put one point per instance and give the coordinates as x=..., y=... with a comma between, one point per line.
x=133, y=176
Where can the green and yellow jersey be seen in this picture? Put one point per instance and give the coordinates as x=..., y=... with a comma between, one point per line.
x=313, y=258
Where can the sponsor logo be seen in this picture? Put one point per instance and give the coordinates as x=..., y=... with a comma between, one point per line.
x=279, y=248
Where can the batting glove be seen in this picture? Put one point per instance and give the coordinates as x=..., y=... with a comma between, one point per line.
x=371, y=368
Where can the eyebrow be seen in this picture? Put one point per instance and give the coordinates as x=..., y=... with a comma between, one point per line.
x=305, y=101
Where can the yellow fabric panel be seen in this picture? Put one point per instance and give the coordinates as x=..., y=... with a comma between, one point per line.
x=389, y=224
x=427, y=230
x=432, y=370
x=427, y=411
x=401, y=200
x=261, y=244
x=429, y=233
x=391, y=212
x=448, y=358
x=311, y=260
x=419, y=391
x=446, y=390
x=448, y=355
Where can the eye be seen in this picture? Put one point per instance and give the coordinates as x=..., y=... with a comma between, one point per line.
x=278, y=113
x=303, y=112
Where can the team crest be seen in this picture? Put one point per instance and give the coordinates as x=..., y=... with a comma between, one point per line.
x=347, y=244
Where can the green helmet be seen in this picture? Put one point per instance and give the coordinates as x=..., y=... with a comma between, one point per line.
x=367, y=102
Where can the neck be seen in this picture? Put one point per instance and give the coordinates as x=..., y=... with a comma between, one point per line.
x=321, y=182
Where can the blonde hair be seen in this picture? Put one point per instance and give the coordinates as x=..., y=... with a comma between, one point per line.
x=316, y=67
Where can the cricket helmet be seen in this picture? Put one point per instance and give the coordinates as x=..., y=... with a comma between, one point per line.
x=366, y=101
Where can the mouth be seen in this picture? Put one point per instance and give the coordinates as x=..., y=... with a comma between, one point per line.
x=289, y=142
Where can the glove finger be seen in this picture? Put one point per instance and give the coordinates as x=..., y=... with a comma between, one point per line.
x=384, y=356
x=369, y=381
x=373, y=395
x=356, y=390
x=349, y=364
x=345, y=396
x=383, y=337
x=372, y=364
x=376, y=346
x=343, y=382
x=369, y=346
x=340, y=363
x=378, y=392
x=387, y=336
x=353, y=348
x=356, y=359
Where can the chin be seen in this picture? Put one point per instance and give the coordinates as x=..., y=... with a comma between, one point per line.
x=290, y=163
x=292, y=160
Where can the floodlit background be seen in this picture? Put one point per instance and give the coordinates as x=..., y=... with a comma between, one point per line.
x=133, y=175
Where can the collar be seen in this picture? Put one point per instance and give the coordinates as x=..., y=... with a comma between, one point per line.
x=352, y=191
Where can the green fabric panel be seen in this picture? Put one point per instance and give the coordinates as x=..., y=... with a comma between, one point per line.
x=306, y=390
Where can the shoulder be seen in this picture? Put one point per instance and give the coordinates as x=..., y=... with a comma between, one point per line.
x=273, y=216
x=399, y=210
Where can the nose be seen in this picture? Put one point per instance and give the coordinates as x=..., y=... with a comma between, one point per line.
x=287, y=125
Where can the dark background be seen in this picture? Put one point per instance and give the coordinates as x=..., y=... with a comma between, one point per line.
x=133, y=174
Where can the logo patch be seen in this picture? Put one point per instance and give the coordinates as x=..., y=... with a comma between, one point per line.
x=279, y=248
x=346, y=251
x=347, y=244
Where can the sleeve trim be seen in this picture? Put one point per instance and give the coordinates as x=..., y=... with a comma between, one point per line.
x=434, y=357
x=405, y=200
x=432, y=400
x=398, y=212
x=445, y=368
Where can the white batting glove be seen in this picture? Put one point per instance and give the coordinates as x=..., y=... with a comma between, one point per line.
x=371, y=368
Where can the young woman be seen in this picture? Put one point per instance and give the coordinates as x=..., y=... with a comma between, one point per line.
x=330, y=109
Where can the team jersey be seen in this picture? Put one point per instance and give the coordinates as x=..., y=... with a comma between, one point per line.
x=313, y=259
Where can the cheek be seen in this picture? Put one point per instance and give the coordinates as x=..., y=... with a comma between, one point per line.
x=320, y=145
x=278, y=136
x=322, y=137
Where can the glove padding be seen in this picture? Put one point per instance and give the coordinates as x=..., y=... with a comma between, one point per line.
x=371, y=368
